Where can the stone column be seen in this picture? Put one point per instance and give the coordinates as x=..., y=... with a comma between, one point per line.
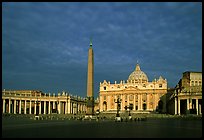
x=59, y=107
x=178, y=106
x=140, y=102
x=71, y=107
x=188, y=106
x=25, y=107
x=40, y=107
x=200, y=112
x=44, y=107
x=68, y=107
x=53, y=105
x=134, y=96
x=4, y=102
x=14, y=108
x=128, y=100
x=147, y=101
x=35, y=107
x=175, y=109
x=197, y=106
x=30, y=107
x=20, y=106
x=49, y=108
x=9, y=106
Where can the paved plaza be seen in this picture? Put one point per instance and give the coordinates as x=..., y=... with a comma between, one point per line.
x=151, y=128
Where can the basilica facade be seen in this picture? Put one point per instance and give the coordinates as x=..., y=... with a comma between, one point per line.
x=137, y=92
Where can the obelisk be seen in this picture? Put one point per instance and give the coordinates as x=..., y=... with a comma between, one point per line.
x=90, y=82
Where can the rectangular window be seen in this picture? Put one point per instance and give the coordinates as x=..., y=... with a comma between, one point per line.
x=160, y=85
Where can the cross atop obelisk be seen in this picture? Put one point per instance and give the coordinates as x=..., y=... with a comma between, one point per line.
x=90, y=81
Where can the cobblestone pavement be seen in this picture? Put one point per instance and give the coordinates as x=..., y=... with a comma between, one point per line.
x=26, y=127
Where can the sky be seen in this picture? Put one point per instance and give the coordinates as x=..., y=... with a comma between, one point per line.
x=45, y=44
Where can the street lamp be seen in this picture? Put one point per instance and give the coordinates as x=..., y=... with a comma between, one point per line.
x=118, y=101
x=130, y=107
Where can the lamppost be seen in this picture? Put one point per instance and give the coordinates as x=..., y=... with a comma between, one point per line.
x=130, y=107
x=118, y=101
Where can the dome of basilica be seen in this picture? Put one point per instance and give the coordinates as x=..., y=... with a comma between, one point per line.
x=138, y=75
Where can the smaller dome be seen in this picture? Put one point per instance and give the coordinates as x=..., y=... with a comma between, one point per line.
x=138, y=75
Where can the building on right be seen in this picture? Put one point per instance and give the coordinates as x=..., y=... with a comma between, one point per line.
x=186, y=97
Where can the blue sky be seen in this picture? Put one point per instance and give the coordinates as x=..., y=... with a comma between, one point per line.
x=45, y=45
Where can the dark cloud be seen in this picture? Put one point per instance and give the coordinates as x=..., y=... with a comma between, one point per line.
x=45, y=45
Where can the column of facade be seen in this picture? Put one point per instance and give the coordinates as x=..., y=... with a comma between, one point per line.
x=178, y=106
x=147, y=101
x=4, y=102
x=30, y=106
x=200, y=112
x=197, y=106
x=140, y=102
x=71, y=107
x=59, y=107
x=155, y=100
x=19, y=106
x=25, y=107
x=134, y=104
x=44, y=107
x=14, y=108
x=49, y=107
x=187, y=105
x=78, y=105
x=9, y=106
x=53, y=105
x=40, y=107
x=121, y=103
x=128, y=100
x=65, y=108
x=35, y=107
x=109, y=102
x=175, y=105
x=81, y=108
x=68, y=107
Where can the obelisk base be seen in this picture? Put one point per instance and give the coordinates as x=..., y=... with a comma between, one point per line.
x=90, y=106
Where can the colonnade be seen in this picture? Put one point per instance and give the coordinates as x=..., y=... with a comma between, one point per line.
x=42, y=104
x=189, y=105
